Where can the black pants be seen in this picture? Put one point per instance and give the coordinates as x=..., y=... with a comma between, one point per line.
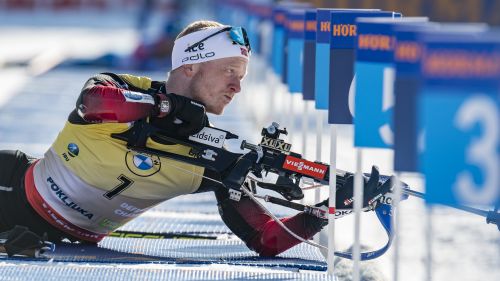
x=14, y=206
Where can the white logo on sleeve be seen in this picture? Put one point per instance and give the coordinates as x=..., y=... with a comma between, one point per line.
x=138, y=97
x=210, y=136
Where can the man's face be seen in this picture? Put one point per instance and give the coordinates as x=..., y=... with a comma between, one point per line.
x=216, y=82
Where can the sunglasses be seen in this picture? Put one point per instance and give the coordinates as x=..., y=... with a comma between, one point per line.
x=237, y=34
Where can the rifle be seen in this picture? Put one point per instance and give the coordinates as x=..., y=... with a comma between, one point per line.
x=271, y=155
x=231, y=170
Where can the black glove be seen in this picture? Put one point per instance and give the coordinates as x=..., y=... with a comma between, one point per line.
x=20, y=240
x=373, y=190
x=178, y=115
x=372, y=194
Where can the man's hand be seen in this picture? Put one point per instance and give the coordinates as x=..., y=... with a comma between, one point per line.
x=373, y=193
x=178, y=115
x=373, y=190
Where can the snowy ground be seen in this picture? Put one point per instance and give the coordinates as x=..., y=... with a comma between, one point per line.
x=464, y=247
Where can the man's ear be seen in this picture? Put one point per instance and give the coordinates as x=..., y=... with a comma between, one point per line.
x=189, y=70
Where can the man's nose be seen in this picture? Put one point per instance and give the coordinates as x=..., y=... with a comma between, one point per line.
x=235, y=86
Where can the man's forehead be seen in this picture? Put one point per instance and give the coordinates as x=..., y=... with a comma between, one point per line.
x=232, y=61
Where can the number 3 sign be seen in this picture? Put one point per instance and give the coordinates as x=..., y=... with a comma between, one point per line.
x=480, y=109
x=459, y=108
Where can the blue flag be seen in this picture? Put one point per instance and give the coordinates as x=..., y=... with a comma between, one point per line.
x=295, y=29
x=407, y=83
x=374, y=68
x=309, y=55
x=459, y=108
x=278, y=39
x=408, y=137
x=322, y=55
x=342, y=47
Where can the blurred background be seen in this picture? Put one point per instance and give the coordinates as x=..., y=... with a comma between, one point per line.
x=155, y=23
x=437, y=10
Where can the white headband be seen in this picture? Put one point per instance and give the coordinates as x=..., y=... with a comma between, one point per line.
x=216, y=47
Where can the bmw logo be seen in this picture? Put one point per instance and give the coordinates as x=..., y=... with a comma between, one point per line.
x=143, y=162
x=73, y=150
